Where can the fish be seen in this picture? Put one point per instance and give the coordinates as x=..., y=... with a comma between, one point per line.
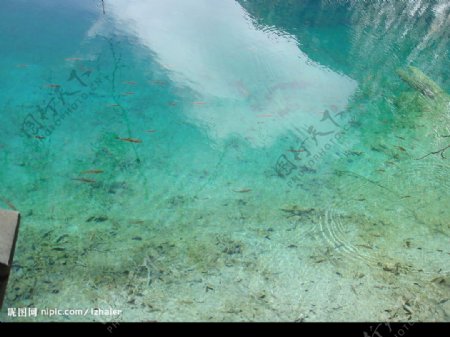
x=8, y=203
x=113, y=105
x=85, y=180
x=130, y=82
x=172, y=103
x=53, y=85
x=92, y=172
x=59, y=249
x=62, y=237
x=401, y=148
x=296, y=151
x=137, y=222
x=128, y=93
x=365, y=246
x=157, y=82
x=198, y=103
x=244, y=190
x=151, y=131
x=130, y=140
x=297, y=211
x=22, y=65
x=72, y=59
x=356, y=153
x=39, y=137
x=264, y=115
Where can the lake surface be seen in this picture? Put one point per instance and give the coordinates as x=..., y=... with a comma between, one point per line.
x=204, y=160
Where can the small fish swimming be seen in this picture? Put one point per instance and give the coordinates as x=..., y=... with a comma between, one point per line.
x=264, y=115
x=85, y=180
x=39, y=137
x=137, y=222
x=199, y=103
x=244, y=190
x=72, y=59
x=401, y=148
x=356, y=153
x=130, y=82
x=157, y=82
x=130, y=140
x=113, y=105
x=22, y=65
x=92, y=172
x=296, y=151
x=53, y=85
x=128, y=93
x=151, y=131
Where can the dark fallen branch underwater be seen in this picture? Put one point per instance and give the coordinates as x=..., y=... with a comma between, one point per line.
x=441, y=151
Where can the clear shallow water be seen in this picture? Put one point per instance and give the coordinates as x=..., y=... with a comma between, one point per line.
x=251, y=160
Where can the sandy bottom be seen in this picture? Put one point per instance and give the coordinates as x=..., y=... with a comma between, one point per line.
x=337, y=248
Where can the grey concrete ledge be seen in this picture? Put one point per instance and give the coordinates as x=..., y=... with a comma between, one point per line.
x=9, y=227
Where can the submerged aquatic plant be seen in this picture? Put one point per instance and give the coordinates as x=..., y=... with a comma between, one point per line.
x=428, y=100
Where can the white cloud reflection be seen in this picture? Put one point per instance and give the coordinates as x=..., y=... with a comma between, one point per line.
x=256, y=81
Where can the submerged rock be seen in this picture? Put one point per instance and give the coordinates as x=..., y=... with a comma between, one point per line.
x=428, y=98
x=421, y=82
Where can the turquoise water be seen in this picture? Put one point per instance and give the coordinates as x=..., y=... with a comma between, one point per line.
x=227, y=161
